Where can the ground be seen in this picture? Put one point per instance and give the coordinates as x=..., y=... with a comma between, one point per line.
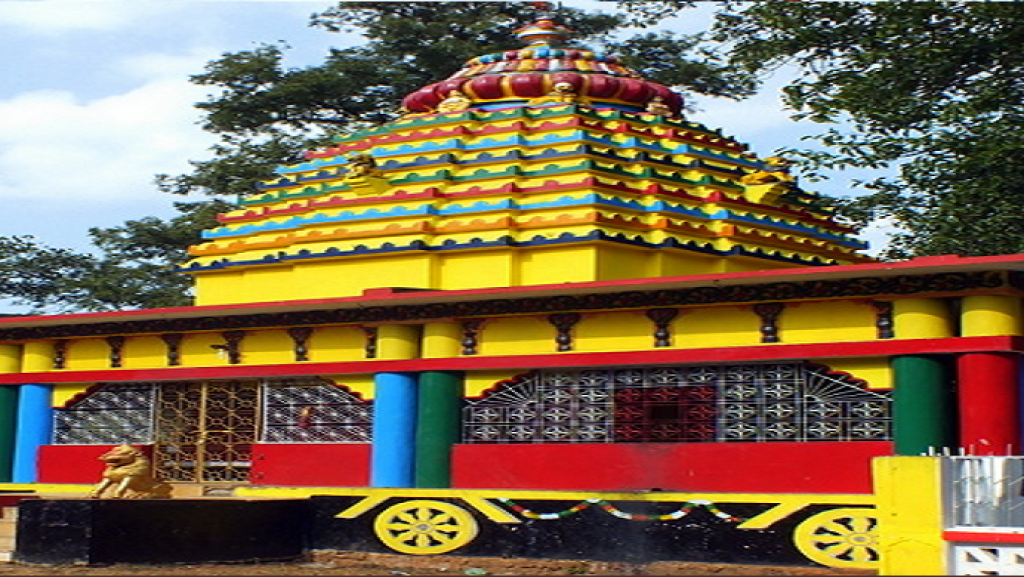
x=335, y=563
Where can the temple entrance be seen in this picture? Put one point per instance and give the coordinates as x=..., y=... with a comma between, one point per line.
x=204, y=430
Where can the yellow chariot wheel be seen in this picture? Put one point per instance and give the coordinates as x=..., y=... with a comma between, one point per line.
x=423, y=527
x=844, y=538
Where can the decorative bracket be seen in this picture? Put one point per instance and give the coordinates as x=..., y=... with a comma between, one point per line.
x=769, y=313
x=564, y=323
x=173, y=342
x=233, y=345
x=116, y=345
x=884, y=320
x=371, y=342
x=662, y=319
x=300, y=339
x=471, y=336
x=60, y=354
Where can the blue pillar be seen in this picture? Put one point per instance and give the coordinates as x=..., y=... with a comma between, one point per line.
x=394, y=431
x=35, y=426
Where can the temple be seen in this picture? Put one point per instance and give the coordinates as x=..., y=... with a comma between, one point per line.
x=541, y=284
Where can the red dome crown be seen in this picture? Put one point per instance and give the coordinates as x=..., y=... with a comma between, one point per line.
x=524, y=77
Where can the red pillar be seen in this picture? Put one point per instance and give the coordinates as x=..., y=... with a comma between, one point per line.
x=989, y=403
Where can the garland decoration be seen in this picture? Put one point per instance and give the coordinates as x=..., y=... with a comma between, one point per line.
x=684, y=510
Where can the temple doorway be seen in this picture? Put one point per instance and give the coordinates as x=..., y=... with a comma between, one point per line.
x=204, y=430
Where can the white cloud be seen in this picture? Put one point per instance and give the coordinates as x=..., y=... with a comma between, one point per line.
x=57, y=149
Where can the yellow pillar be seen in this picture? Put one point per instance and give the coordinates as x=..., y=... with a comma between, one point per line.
x=990, y=315
x=442, y=339
x=396, y=342
x=909, y=496
x=38, y=356
x=10, y=358
x=922, y=319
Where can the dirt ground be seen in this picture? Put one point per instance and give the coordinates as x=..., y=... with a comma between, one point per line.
x=332, y=563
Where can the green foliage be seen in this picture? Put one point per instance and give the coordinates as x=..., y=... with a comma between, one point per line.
x=268, y=114
x=932, y=89
x=134, y=267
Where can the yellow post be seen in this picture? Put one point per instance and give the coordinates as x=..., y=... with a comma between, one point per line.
x=990, y=315
x=396, y=342
x=38, y=356
x=909, y=493
x=10, y=358
x=922, y=319
x=441, y=340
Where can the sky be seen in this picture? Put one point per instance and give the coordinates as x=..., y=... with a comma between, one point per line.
x=95, y=100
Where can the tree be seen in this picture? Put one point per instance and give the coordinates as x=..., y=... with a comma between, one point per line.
x=135, y=267
x=935, y=89
x=267, y=115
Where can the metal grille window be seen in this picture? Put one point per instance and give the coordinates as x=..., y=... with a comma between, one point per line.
x=779, y=402
x=314, y=411
x=110, y=414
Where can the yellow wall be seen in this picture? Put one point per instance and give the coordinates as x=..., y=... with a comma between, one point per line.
x=337, y=344
x=566, y=264
x=875, y=371
x=524, y=335
x=267, y=347
x=612, y=331
x=357, y=383
x=197, y=350
x=476, y=269
x=479, y=381
x=923, y=318
x=87, y=354
x=64, y=392
x=717, y=326
x=10, y=358
x=144, y=351
x=708, y=326
x=986, y=315
x=827, y=322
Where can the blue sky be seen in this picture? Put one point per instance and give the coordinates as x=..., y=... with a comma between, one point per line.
x=95, y=100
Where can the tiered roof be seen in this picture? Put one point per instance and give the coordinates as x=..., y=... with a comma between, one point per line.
x=514, y=173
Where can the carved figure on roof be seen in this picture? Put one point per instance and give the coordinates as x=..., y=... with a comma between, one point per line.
x=775, y=169
x=455, y=102
x=363, y=175
x=362, y=165
x=657, y=106
x=560, y=93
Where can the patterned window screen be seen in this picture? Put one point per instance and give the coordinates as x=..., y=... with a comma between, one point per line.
x=109, y=414
x=314, y=411
x=734, y=403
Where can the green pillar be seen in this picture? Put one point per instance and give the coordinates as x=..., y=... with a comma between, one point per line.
x=8, y=425
x=924, y=407
x=437, y=427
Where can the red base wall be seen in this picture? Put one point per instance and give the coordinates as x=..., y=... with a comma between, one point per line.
x=314, y=464
x=77, y=464
x=330, y=465
x=840, y=467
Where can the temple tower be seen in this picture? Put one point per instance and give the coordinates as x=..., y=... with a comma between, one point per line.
x=536, y=166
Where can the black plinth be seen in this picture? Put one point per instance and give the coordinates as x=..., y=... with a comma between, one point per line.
x=99, y=532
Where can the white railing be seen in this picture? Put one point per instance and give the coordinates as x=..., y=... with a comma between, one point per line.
x=984, y=492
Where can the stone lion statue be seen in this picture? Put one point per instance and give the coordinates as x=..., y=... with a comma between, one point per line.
x=129, y=474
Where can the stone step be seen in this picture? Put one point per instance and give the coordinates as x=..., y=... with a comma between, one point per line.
x=6, y=556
